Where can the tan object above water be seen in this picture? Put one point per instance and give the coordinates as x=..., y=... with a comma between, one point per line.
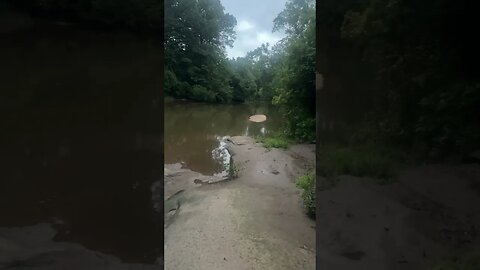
x=258, y=118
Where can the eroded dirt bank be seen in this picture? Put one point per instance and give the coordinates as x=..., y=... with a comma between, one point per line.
x=255, y=221
x=427, y=214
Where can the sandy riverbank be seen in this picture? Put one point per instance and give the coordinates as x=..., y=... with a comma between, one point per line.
x=427, y=214
x=255, y=221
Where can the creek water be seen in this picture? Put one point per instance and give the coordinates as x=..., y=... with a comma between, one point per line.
x=195, y=132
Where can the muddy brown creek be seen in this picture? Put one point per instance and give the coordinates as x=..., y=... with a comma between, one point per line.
x=195, y=132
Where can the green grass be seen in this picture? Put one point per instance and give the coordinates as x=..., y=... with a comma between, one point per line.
x=233, y=169
x=468, y=262
x=362, y=160
x=455, y=266
x=307, y=183
x=274, y=142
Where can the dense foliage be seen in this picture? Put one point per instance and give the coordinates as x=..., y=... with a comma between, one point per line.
x=404, y=69
x=196, y=33
x=294, y=81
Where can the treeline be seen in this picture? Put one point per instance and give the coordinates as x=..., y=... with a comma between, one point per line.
x=196, y=33
x=402, y=71
x=133, y=14
x=197, y=68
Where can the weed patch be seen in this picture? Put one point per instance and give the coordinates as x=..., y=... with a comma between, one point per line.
x=274, y=142
x=307, y=183
x=364, y=160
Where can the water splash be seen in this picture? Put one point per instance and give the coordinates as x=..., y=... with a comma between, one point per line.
x=222, y=155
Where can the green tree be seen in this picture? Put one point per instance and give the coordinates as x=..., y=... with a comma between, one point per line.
x=414, y=78
x=262, y=62
x=243, y=80
x=196, y=34
x=294, y=79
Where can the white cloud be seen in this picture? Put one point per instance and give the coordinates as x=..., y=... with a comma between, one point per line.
x=250, y=40
x=244, y=25
x=234, y=53
x=265, y=37
x=254, y=23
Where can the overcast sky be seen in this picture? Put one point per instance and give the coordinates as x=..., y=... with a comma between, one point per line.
x=254, y=23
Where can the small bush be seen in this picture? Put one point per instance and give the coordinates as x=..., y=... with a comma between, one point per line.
x=274, y=142
x=302, y=129
x=307, y=183
x=365, y=160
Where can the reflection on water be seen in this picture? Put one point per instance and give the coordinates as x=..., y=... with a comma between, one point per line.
x=194, y=132
x=81, y=140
